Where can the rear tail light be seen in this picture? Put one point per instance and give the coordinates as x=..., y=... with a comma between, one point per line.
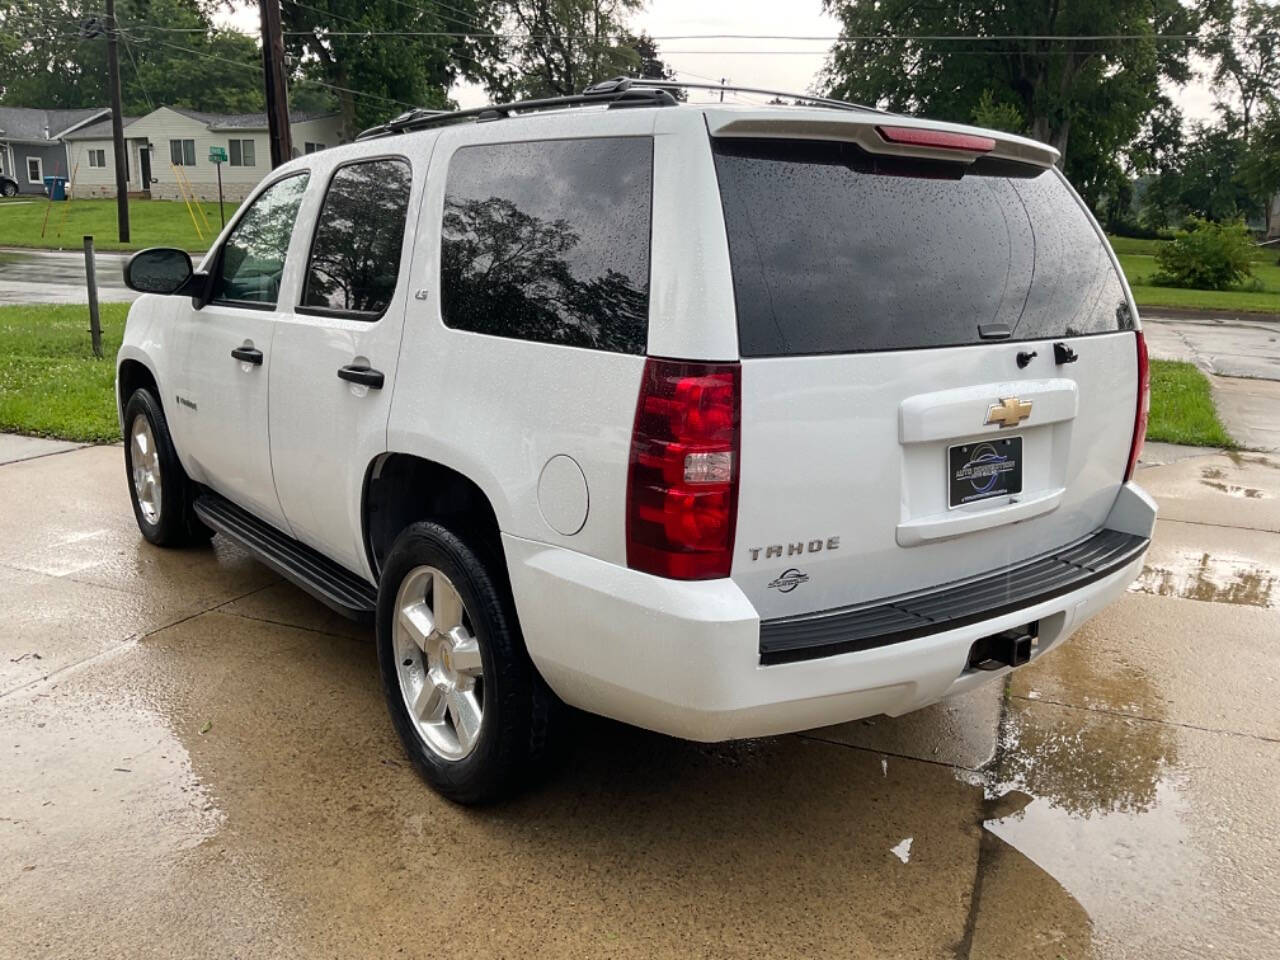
x=941, y=139
x=682, y=485
x=1144, y=408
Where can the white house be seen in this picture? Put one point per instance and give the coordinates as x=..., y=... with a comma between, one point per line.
x=168, y=152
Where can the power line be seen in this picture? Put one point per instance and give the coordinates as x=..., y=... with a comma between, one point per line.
x=812, y=38
x=257, y=70
x=128, y=48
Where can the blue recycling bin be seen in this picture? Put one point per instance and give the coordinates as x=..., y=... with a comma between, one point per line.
x=56, y=187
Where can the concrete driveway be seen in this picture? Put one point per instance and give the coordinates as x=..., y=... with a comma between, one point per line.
x=197, y=763
x=1241, y=357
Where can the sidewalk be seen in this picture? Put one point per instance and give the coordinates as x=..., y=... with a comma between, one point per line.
x=1242, y=360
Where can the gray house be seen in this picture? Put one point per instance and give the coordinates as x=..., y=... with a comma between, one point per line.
x=31, y=145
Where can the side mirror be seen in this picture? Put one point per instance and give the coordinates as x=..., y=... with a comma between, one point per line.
x=162, y=270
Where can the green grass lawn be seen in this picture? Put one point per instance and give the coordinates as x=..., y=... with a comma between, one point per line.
x=1137, y=259
x=152, y=223
x=1182, y=409
x=50, y=383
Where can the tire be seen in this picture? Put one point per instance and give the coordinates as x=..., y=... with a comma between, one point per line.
x=9, y=188
x=436, y=675
x=160, y=491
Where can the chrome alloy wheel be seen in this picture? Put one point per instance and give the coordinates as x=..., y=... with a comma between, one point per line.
x=144, y=458
x=438, y=663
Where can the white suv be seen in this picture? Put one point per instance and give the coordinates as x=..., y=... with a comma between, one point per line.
x=721, y=421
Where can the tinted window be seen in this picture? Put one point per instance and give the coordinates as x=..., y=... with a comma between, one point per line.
x=252, y=259
x=355, y=256
x=549, y=241
x=835, y=250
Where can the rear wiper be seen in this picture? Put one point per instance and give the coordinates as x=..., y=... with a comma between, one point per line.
x=994, y=331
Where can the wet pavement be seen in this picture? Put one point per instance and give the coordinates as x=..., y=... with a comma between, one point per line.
x=1229, y=347
x=195, y=761
x=1242, y=360
x=46, y=276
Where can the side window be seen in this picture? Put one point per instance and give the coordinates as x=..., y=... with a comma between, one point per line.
x=252, y=259
x=549, y=241
x=355, y=255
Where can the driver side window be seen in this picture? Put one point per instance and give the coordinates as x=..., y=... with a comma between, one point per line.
x=252, y=259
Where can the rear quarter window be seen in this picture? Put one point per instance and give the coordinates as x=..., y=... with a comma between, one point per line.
x=836, y=250
x=549, y=241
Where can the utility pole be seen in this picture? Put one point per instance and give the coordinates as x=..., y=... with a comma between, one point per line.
x=117, y=126
x=273, y=74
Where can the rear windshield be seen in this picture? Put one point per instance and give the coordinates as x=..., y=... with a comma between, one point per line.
x=836, y=250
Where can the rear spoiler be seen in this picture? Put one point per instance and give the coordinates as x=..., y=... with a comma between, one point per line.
x=884, y=134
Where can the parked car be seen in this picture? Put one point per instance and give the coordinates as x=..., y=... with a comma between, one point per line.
x=8, y=186
x=723, y=421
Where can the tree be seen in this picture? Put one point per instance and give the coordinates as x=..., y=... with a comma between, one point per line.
x=652, y=66
x=1066, y=91
x=1203, y=180
x=53, y=54
x=560, y=47
x=1246, y=72
x=1260, y=169
x=373, y=66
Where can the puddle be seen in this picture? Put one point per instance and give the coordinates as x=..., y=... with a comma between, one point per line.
x=1195, y=575
x=1240, y=459
x=114, y=765
x=1098, y=804
x=1235, y=490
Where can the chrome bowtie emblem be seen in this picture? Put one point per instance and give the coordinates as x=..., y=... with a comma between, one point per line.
x=1009, y=412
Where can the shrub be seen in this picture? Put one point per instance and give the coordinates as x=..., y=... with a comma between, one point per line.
x=1209, y=256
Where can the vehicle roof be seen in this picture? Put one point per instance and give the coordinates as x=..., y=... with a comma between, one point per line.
x=720, y=119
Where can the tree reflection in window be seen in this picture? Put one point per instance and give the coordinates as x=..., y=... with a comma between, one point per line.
x=355, y=258
x=252, y=260
x=549, y=241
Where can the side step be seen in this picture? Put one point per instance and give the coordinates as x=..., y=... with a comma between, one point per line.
x=332, y=584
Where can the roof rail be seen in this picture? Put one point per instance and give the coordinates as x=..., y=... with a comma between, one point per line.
x=618, y=92
x=615, y=93
x=734, y=88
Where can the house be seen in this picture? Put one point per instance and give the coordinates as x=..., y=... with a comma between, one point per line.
x=31, y=142
x=167, y=152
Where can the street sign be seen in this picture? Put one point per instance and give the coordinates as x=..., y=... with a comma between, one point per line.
x=217, y=155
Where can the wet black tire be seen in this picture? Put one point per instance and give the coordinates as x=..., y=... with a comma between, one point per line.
x=174, y=523
x=518, y=708
x=9, y=188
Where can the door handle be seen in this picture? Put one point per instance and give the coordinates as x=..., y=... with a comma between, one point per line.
x=366, y=376
x=248, y=355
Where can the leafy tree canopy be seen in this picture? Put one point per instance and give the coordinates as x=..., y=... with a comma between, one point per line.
x=53, y=53
x=1087, y=97
x=355, y=60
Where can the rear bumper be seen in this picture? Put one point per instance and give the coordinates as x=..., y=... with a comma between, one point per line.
x=684, y=658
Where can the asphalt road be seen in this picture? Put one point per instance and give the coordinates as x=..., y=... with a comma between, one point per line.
x=46, y=276
x=195, y=761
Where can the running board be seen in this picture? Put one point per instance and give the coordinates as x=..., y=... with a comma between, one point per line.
x=332, y=584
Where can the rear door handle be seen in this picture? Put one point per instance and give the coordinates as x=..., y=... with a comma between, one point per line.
x=365, y=376
x=248, y=355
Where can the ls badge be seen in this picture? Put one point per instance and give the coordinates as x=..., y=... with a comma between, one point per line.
x=1009, y=412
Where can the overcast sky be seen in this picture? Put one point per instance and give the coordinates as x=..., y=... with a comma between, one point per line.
x=709, y=60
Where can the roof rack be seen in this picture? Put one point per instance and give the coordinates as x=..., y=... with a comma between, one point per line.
x=616, y=93
x=734, y=88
